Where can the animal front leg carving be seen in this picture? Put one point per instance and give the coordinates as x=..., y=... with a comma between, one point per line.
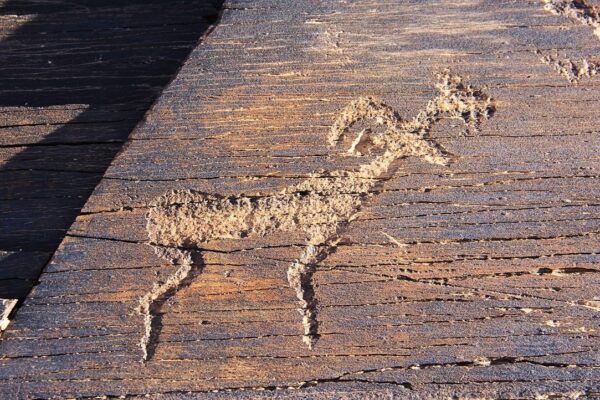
x=300, y=275
x=180, y=222
x=322, y=241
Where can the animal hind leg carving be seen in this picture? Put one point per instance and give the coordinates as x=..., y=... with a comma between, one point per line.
x=190, y=265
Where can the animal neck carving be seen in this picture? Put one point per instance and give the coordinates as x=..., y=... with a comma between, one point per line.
x=180, y=222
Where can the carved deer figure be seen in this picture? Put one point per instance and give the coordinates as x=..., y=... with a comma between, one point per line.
x=180, y=221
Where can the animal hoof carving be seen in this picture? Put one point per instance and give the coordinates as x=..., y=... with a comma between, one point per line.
x=181, y=221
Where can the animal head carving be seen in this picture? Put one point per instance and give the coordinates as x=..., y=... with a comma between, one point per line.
x=364, y=108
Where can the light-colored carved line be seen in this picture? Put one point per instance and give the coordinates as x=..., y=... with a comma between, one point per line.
x=148, y=302
x=300, y=279
x=579, y=10
x=571, y=69
x=584, y=13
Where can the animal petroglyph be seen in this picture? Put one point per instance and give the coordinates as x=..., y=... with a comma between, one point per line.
x=181, y=221
x=579, y=10
x=587, y=14
x=573, y=70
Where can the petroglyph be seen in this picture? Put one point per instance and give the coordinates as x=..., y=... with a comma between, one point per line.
x=572, y=70
x=581, y=11
x=181, y=221
x=578, y=10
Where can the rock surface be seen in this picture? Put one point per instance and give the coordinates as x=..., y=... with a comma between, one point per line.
x=472, y=278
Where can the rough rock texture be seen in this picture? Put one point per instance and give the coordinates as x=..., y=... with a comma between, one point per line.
x=474, y=278
x=76, y=76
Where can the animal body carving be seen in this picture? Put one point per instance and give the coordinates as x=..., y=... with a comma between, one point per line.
x=179, y=222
